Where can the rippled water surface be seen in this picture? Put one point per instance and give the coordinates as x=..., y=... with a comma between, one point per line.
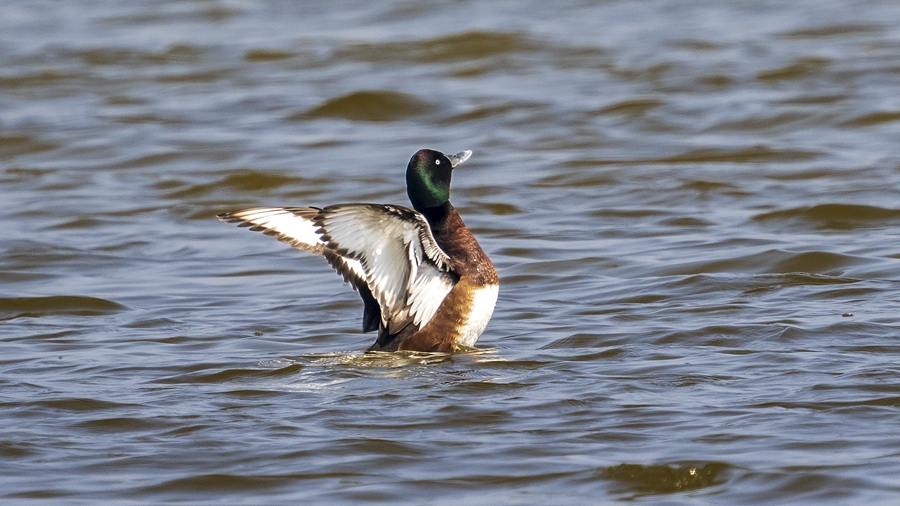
x=694, y=208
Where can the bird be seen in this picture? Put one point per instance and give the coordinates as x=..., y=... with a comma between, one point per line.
x=425, y=282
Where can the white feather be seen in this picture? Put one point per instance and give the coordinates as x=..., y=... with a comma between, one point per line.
x=295, y=229
x=482, y=309
x=427, y=292
x=403, y=265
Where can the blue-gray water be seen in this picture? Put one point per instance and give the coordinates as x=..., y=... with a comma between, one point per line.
x=694, y=208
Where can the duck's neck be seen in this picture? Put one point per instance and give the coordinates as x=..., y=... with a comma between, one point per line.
x=437, y=216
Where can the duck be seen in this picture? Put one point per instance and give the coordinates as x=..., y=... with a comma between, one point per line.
x=425, y=282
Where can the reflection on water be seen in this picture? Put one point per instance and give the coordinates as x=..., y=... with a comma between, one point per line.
x=662, y=479
x=692, y=206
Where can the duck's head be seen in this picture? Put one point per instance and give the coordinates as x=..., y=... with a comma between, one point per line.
x=428, y=177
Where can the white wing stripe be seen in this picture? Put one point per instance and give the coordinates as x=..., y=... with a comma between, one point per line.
x=355, y=266
x=284, y=223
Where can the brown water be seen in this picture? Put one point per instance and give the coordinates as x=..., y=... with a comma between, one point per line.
x=694, y=208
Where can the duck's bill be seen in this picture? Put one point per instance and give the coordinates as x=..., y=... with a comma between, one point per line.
x=459, y=158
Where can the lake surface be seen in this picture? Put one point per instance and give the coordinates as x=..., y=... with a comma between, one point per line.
x=694, y=208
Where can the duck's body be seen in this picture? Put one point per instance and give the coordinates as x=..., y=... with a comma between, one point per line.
x=425, y=282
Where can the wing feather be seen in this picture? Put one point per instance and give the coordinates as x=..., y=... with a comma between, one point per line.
x=406, y=270
x=296, y=227
x=387, y=253
x=291, y=225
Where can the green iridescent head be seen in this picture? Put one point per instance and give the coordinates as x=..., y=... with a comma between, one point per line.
x=428, y=177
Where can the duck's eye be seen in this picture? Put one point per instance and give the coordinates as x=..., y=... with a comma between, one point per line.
x=437, y=162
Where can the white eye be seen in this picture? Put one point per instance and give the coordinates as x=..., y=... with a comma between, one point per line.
x=437, y=162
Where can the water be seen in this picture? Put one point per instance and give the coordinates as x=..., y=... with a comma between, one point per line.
x=693, y=207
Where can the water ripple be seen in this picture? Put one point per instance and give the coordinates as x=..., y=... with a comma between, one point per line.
x=692, y=207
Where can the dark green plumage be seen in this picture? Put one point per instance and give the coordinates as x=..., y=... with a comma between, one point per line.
x=428, y=179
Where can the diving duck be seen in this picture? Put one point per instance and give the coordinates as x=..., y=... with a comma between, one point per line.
x=425, y=283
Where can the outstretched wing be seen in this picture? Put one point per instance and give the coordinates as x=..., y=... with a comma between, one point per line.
x=405, y=269
x=387, y=252
x=296, y=227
